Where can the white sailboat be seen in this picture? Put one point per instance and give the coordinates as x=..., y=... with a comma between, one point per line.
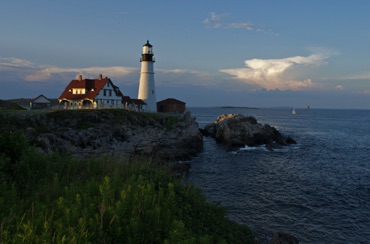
x=293, y=111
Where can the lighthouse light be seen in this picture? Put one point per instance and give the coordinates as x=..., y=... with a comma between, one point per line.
x=147, y=50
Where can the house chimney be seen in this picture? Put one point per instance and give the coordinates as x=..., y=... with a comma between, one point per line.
x=80, y=77
x=100, y=76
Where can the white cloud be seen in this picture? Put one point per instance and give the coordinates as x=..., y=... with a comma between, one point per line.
x=90, y=72
x=339, y=87
x=33, y=72
x=12, y=62
x=215, y=20
x=281, y=74
x=24, y=70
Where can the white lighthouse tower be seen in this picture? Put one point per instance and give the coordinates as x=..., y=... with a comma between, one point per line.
x=147, y=86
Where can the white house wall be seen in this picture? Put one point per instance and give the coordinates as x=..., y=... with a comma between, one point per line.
x=107, y=98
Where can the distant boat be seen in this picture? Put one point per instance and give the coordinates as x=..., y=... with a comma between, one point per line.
x=293, y=111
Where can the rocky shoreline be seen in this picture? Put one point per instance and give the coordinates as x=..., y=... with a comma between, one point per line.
x=90, y=133
x=109, y=132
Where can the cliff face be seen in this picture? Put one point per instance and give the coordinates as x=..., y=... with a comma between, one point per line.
x=118, y=132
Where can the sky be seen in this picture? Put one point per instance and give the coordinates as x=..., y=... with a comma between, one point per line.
x=262, y=53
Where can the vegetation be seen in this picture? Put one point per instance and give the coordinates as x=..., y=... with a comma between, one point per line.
x=60, y=199
x=8, y=105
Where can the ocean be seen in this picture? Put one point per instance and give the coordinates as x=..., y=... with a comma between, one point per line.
x=318, y=190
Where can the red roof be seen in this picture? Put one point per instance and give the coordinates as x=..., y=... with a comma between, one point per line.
x=171, y=101
x=91, y=86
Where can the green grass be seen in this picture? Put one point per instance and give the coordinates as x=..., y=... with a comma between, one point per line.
x=59, y=199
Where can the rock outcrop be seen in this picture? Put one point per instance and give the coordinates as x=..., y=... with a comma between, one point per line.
x=117, y=132
x=284, y=238
x=237, y=130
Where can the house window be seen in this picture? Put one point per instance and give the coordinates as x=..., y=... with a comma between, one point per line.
x=108, y=84
x=105, y=92
x=110, y=93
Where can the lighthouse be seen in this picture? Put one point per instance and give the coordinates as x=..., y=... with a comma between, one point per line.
x=146, y=85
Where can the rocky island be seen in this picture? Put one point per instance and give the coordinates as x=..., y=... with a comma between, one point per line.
x=236, y=130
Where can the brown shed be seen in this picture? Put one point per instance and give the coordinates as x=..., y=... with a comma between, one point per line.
x=171, y=105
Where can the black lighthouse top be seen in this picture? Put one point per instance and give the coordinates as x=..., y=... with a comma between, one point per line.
x=147, y=54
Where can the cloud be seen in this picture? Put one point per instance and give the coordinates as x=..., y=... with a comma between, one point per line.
x=180, y=77
x=281, y=74
x=28, y=71
x=90, y=72
x=12, y=62
x=215, y=20
x=365, y=76
x=339, y=87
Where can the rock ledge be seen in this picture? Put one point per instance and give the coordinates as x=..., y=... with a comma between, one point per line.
x=236, y=130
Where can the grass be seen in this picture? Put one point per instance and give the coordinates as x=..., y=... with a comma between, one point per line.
x=59, y=199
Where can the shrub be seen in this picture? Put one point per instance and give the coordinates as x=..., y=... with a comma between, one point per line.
x=59, y=199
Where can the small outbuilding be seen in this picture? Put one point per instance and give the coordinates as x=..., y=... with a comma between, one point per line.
x=171, y=105
x=138, y=104
x=40, y=102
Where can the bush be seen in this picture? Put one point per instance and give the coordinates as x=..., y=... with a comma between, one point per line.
x=59, y=199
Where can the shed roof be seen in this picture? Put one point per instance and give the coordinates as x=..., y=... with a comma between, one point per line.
x=40, y=99
x=171, y=101
x=137, y=101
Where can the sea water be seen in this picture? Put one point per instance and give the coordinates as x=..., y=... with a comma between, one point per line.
x=318, y=190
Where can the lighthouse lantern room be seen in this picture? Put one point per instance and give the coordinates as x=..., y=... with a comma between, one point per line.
x=146, y=85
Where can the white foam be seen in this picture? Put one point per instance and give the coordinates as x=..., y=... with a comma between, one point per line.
x=247, y=148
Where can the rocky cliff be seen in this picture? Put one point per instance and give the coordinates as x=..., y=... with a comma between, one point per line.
x=118, y=132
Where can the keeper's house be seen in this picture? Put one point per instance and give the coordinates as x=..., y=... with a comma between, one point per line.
x=91, y=93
